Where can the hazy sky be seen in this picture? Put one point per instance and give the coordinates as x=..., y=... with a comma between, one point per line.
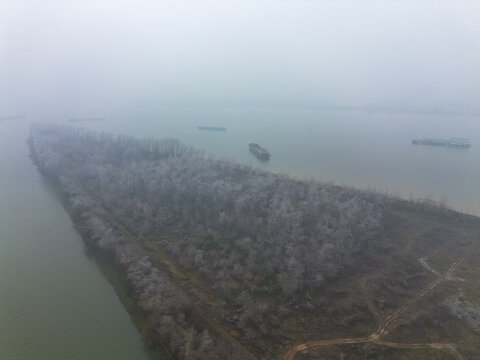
x=103, y=53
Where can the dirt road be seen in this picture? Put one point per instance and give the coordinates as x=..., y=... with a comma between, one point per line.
x=390, y=323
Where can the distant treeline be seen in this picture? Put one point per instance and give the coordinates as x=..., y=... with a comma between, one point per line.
x=251, y=234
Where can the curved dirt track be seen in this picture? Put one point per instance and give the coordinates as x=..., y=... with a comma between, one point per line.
x=390, y=323
x=373, y=339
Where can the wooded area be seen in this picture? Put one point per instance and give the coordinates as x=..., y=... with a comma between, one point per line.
x=259, y=239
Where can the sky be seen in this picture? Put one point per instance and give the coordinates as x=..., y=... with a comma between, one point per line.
x=74, y=54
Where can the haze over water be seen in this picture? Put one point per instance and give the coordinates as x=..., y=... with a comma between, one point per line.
x=265, y=70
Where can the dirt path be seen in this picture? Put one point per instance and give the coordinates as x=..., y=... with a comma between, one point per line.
x=390, y=323
x=290, y=355
x=423, y=261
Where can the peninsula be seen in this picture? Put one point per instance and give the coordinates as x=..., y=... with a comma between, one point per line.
x=215, y=260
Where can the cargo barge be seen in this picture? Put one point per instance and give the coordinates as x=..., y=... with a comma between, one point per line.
x=259, y=151
x=85, y=119
x=12, y=117
x=452, y=142
x=212, y=128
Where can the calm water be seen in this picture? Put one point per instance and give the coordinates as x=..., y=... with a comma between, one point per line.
x=54, y=301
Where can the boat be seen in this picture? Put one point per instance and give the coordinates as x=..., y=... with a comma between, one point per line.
x=259, y=151
x=452, y=142
x=85, y=119
x=212, y=128
x=12, y=117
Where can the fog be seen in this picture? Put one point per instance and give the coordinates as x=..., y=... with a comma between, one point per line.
x=218, y=248
x=76, y=55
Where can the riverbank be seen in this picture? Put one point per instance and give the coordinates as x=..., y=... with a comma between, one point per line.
x=120, y=284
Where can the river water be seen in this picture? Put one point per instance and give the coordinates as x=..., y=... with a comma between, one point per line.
x=54, y=301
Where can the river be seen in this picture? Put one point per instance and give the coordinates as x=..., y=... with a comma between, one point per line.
x=55, y=303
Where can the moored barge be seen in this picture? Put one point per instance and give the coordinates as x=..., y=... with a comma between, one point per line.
x=452, y=142
x=259, y=151
x=212, y=128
